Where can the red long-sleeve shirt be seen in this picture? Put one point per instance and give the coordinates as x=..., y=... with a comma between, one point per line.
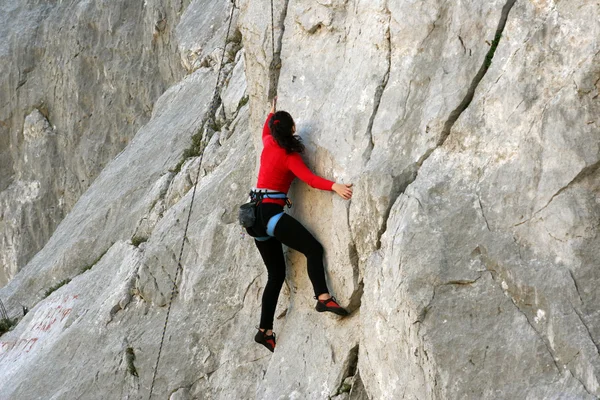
x=278, y=168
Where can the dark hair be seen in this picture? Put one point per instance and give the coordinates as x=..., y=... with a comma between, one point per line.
x=281, y=125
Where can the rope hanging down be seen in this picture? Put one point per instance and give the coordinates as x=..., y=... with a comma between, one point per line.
x=275, y=61
x=272, y=32
x=187, y=223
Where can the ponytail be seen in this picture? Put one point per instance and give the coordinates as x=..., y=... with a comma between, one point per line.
x=281, y=125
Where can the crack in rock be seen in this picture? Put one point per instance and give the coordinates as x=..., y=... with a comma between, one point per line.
x=412, y=173
x=275, y=67
x=379, y=91
x=541, y=336
x=454, y=282
x=587, y=328
x=584, y=173
x=483, y=212
x=582, y=384
x=486, y=261
x=576, y=286
x=243, y=301
x=466, y=101
x=538, y=334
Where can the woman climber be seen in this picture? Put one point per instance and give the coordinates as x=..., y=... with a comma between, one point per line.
x=280, y=163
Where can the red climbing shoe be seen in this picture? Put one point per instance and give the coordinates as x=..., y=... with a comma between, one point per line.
x=331, y=305
x=266, y=340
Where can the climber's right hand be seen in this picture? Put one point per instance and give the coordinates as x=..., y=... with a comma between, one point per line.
x=344, y=190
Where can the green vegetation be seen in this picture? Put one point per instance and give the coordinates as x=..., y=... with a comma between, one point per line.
x=56, y=287
x=6, y=324
x=88, y=267
x=344, y=388
x=214, y=125
x=130, y=358
x=235, y=37
x=243, y=101
x=194, y=150
x=137, y=240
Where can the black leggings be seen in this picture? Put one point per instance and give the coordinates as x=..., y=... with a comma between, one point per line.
x=294, y=235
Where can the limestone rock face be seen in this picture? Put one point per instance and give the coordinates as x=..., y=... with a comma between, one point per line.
x=94, y=71
x=467, y=254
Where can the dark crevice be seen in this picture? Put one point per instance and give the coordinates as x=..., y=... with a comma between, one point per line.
x=130, y=359
x=275, y=67
x=576, y=286
x=352, y=362
x=248, y=288
x=411, y=173
x=462, y=43
x=353, y=255
x=400, y=184
x=462, y=282
x=483, y=213
x=379, y=92
x=7, y=323
x=479, y=76
x=350, y=374
x=554, y=237
x=356, y=297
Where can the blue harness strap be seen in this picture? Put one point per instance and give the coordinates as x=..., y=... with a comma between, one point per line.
x=265, y=194
x=270, y=227
x=275, y=195
x=272, y=223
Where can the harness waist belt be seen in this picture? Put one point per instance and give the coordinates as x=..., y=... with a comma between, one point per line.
x=268, y=193
x=258, y=194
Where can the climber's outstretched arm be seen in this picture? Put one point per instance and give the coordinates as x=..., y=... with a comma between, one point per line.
x=298, y=168
x=266, y=130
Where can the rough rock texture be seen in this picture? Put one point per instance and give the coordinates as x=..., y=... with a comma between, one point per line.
x=468, y=254
x=94, y=71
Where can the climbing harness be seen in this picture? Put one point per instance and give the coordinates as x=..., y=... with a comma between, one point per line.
x=179, y=266
x=247, y=212
x=258, y=195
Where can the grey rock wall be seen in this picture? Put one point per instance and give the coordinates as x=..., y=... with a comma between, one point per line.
x=467, y=254
x=94, y=70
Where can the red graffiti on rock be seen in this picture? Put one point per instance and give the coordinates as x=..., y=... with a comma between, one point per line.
x=42, y=324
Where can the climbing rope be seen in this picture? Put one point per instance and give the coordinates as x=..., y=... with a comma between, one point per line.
x=187, y=223
x=272, y=32
x=275, y=61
